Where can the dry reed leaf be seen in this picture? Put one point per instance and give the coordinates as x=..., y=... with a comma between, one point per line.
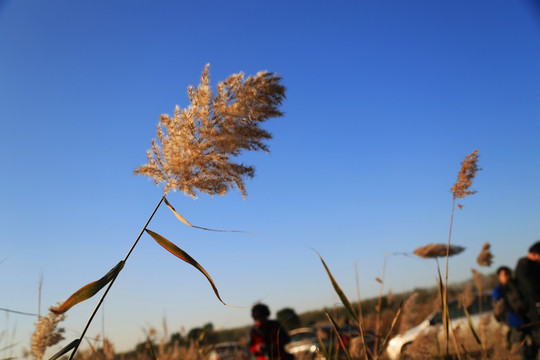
x=485, y=258
x=181, y=254
x=466, y=175
x=340, y=293
x=437, y=250
x=182, y=219
x=471, y=326
x=65, y=349
x=195, y=148
x=89, y=290
x=391, y=330
x=337, y=331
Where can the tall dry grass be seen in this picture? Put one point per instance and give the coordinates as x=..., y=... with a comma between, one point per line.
x=196, y=150
x=460, y=190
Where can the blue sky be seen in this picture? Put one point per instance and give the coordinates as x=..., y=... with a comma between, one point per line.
x=384, y=99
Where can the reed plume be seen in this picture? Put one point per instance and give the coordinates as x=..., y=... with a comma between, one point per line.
x=194, y=151
x=459, y=190
x=47, y=334
x=195, y=148
x=485, y=258
x=437, y=250
x=465, y=176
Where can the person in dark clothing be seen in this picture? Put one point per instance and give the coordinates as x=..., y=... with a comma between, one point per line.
x=267, y=338
x=516, y=334
x=528, y=280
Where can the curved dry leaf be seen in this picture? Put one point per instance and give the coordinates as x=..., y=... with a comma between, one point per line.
x=471, y=326
x=182, y=219
x=392, y=326
x=65, y=349
x=340, y=337
x=339, y=292
x=89, y=290
x=176, y=251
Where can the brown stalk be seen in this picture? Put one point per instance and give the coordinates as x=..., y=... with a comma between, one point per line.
x=112, y=282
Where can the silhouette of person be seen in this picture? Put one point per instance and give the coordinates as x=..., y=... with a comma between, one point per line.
x=528, y=280
x=516, y=334
x=267, y=338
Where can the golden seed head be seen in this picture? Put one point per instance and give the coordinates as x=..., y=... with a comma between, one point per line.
x=437, y=250
x=195, y=148
x=485, y=258
x=465, y=176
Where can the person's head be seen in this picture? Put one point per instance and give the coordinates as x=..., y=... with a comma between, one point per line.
x=260, y=312
x=534, y=252
x=503, y=274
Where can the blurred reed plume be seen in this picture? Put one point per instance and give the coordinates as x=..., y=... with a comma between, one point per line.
x=467, y=297
x=485, y=258
x=459, y=190
x=437, y=250
x=198, y=142
x=47, y=334
x=465, y=176
x=407, y=315
x=477, y=280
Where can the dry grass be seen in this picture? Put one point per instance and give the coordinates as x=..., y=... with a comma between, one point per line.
x=429, y=344
x=194, y=151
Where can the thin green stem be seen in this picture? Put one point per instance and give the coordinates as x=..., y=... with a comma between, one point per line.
x=112, y=282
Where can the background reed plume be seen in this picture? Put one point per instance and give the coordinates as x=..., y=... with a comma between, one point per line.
x=460, y=190
x=437, y=250
x=485, y=257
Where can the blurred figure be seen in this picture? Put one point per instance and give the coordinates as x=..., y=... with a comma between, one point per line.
x=267, y=338
x=528, y=281
x=504, y=312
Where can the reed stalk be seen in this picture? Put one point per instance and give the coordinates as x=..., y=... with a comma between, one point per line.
x=74, y=351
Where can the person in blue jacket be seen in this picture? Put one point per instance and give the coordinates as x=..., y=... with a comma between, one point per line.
x=516, y=334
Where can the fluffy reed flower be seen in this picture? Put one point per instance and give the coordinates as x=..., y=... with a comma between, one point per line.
x=465, y=176
x=199, y=142
x=408, y=313
x=437, y=250
x=108, y=349
x=477, y=279
x=485, y=258
x=467, y=297
x=46, y=334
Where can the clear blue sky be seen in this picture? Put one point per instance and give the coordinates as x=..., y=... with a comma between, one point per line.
x=384, y=99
